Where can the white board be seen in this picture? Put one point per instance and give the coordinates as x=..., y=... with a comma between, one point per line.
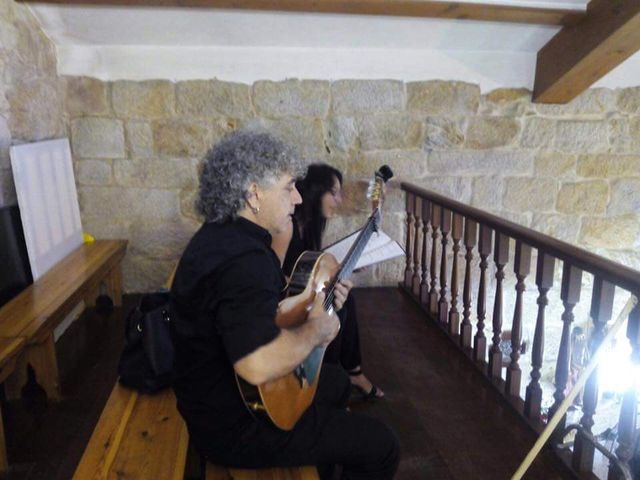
x=48, y=201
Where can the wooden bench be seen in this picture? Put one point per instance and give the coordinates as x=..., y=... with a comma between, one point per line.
x=27, y=322
x=142, y=437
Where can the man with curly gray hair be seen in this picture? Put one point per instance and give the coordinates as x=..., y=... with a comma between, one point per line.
x=224, y=301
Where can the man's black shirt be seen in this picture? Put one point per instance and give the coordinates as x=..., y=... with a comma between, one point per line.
x=224, y=298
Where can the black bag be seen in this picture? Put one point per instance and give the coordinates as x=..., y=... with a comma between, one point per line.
x=146, y=363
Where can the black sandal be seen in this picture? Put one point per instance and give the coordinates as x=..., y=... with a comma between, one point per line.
x=366, y=396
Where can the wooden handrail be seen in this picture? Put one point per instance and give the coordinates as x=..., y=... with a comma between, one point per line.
x=608, y=270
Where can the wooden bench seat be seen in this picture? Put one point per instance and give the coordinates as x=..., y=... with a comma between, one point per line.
x=27, y=321
x=142, y=437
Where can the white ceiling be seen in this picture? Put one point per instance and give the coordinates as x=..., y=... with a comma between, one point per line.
x=239, y=45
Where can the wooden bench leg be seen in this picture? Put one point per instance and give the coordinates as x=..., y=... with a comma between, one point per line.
x=18, y=379
x=113, y=284
x=42, y=358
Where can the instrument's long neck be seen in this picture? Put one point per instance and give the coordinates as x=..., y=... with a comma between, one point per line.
x=351, y=258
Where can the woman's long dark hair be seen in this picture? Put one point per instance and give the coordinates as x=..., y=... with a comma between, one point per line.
x=318, y=181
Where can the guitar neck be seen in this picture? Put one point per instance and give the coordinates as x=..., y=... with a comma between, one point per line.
x=351, y=258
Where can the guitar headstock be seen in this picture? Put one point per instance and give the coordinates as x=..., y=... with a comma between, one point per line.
x=376, y=190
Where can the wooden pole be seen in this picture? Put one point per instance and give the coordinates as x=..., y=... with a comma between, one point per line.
x=579, y=385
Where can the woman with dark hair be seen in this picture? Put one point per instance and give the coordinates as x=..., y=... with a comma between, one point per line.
x=321, y=190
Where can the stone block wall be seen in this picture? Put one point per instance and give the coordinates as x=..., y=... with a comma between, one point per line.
x=571, y=171
x=31, y=106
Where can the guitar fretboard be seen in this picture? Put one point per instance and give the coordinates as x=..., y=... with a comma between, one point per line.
x=352, y=257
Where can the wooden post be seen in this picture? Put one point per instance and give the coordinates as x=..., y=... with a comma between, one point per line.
x=500, y=257
x=433, y=292
x=408, y=271
x=521, y=267
x=484, y=247
x=415, y=280
x=443, y=305
x=570, y=294
x=426, y=219
x=454, y=315
x=470, y=234
x=544, y=280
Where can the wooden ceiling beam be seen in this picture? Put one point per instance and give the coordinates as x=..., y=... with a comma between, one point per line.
x=408, y=8
x=578, y=56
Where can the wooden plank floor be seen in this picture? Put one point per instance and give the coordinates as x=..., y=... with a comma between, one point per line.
x=449, y=423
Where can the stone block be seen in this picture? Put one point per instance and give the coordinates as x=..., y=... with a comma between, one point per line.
x=437, y=97
x=139, y=139
x=557, y=165
x=151, y=173
x=366, y=96
x=36, y=111
x=143, y=274
x=487, y=192
x=622, y=232
x=628, y=100
x=592, y=102
x=7, y=188
x=291, y=98
x=538, y=133
x=86, y=96
x=181, y=138
x=607, y=166
x=188, y=199
x=342, y=133
x=389, y=131
x=456, y=188
x=132, y=204
x=582, y=136
x=5, y=143
x=407, y=165
x=562, y=227
x=480, y=162
x=97, y=138
x=94, y=172
x=625, y=197
x=442, y=133
x=144, y=238
x=305, y=136
x=491, y=132
x=526, y=194
x=205, y=98
x=146, y=100
x=589, y=197
x=625, y=135
x=506, y=101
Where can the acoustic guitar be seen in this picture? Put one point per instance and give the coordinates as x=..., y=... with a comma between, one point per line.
x=285, y=399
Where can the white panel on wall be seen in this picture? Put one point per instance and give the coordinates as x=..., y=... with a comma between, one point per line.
x=48, y=200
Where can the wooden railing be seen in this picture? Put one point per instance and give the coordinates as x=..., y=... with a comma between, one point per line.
x=439, y=229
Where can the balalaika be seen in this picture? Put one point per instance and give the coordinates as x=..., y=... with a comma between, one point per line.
x=285, y=399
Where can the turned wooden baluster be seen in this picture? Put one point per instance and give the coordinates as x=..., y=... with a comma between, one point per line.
x=570, y=295
x=408, y=270
x=521, y=267
x=484, y=248
x=470, y=234
x=415, y=280
x=445, y=228
x=601, y=310
x=627, y=433
x=454, y=315
x=435, y=225
x=426, y=218
x=544, y=280
x=500, y=257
